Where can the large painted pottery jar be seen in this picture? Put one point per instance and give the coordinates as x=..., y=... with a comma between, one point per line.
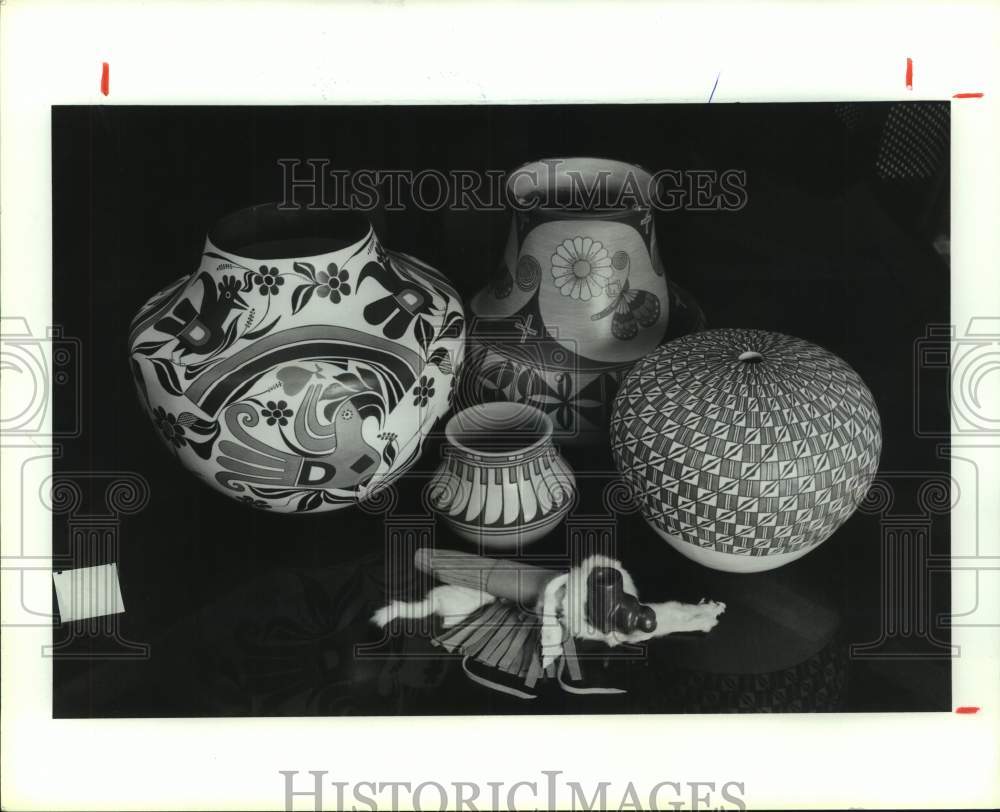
x=301, y=366
x=745, y=449
x=580, y=295
x=502, y=482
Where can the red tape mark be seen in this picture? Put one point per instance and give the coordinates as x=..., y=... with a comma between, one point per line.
x=967, y=96
x=967, y=709
x=909, y=73
x=105, y=78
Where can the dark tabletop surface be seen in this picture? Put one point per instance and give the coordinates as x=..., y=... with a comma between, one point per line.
x=240, y=612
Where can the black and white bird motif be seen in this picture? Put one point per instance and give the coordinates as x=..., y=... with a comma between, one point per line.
x=201, y=331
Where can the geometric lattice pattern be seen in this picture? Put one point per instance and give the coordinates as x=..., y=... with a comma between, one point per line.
x=914, y=142
x=816, y=685
x=746, y=442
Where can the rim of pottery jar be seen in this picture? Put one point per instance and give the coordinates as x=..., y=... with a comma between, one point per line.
x=499, y=418
x=582, y=163
x=268, y=232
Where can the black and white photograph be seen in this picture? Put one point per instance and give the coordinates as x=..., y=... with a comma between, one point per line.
x=355, y=416
x=630, y=436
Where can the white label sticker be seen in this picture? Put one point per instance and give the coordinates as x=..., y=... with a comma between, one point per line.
x=88, y=592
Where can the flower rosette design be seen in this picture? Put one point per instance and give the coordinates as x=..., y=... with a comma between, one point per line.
x=334, y=283
x=171, y=431
x=581, y=268
x=267, y=280
x=276, y=412
x=186, y=431
x=423, y=391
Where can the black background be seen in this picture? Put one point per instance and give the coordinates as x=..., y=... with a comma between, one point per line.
x=824, y=249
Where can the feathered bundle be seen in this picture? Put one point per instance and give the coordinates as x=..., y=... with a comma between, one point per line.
x=525, y=645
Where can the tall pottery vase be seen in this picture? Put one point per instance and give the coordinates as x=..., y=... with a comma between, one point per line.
x=301, y=366
x=580, y=295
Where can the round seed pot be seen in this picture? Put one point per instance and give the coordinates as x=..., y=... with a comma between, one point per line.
x=745, y=449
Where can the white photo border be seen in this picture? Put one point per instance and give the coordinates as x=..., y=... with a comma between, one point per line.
x=169, y=53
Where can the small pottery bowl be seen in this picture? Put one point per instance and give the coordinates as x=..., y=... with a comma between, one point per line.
x=502, y=482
